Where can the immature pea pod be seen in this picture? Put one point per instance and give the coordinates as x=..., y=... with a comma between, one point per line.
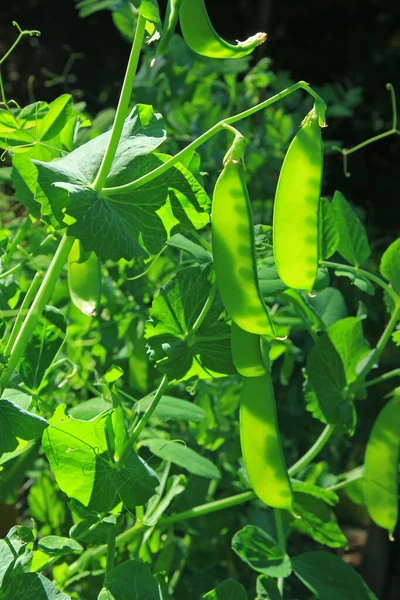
x=259, y=433
x=170, y=21
x=381, y=467
x=200, y=35
x=296, y=210
x=84, y=280
x=234, y=248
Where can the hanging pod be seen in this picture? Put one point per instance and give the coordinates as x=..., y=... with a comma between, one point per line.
x=259, y=432
x=381, y=467
x=200, y=35
x=84, y=280
x=234, y=252
x=170, y=21
x=296, y=210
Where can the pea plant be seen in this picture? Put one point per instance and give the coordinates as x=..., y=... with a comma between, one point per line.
x=142, y=453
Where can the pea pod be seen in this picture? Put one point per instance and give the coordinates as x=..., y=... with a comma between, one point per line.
x=296, y=211
x=170, y=21
x=200, y=35
x=246, y=352
x=381, y=467
x=84, y=280
x=234, y=252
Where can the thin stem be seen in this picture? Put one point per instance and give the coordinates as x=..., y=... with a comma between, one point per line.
x=29, y=296
x=202, y=241
x=37, y=307
x=128, y=187
x=110, y=550
x=21, y=35
x=315, y=449
x=143, y=421
x=281, y=539
x=204, y=311
x=384, y=377
x=18, y=238
x=123, y=105
x=358, y=474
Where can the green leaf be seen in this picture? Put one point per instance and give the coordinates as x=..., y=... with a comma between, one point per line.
x=328, y=380
x=55, y=545
x=329, y=234
x=328, y=577
x=390, y=265
x=32, y=586
x=348, y=338
x=16, y=551
x=43, y=346
x=270, y=282
x=202, y=256
x=17, y=423
x=267, y=588
x=131, y=580
x=173, y=408
x=317, y=521
x=84, y=280
x=259, y=550
x=148, y=9
x=90, y=409
x=173, y=313
x=362, y=283
x=44, y=505
x=304, y=487
x=328, y=305
x=75, y=448
x=227, y=590
x=177, y=453
x=353, y=241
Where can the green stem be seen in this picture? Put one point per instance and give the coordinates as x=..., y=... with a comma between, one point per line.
x=18, y=238
x=110, y=549
x=204, y=311
x=206, y=136
x=29, y=296
x=37, y=307
x=281, y=539
x=143, y=421
x=123, y=105
x=315, y=449
x=21, y=35
x=353, y=475
x=384, y=377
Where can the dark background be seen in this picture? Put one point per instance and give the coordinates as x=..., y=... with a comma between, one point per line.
x=350, y=42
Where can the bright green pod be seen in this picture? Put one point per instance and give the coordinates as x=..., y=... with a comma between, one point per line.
x=200, y=35
x=84, y=280
x=381, y=467
x=246, y=352
x=261, y=444
x=234, y=252
x=296, y=210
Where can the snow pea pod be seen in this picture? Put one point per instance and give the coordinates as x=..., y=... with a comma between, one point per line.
x=246, y=352
x=381, y=467
x=296, y=210
x=234, y=252
x=84, y=280
x=200, y=35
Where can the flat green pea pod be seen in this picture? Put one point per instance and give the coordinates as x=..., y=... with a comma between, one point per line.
x=200, y=35
x=84, y=280
x=246, y=352
x=381, y=467
x=296, y=210
x=234, y=249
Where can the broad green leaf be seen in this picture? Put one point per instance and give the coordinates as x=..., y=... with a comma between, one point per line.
x=328, y=305
x=390, y=265
x=90, y=409
x=260, y=551
x=348, y=338
x=329, y=234
x=328, y=577
x=32, y=586
x=177, y=453
x=173, y=408
x=227, y=590
x=131, y=580
x=173, y=313
x=304, y=487
x=84, y=280
x=44, y=505
x=270, y=282
x=43, y=346
x=327, y=378
x=202, y=256
x=22, y=399
x=75, y=447
x=148, y=9
x=267, y=588
x=353, y=242
x=18, y=424
x=55, y=545
x=317, y=521
x=15, y=551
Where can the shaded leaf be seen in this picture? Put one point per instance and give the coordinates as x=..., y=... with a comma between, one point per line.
x=131, y=580
x=329, y=234
x=227, y=590
x=390, y=265
x=353, y=242
x=17, y=423
x=260, y=551
x=183, y=456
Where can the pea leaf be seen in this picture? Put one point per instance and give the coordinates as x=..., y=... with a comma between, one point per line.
x=173, y=313
x=43, y=346
x=329, y=234
x=148, y=9
x=390, y=265
x=56, y=545
x=227, y=590
x=348, y=339
x=305, y=487
x=317, y=521
x=353, y=242
x=202, y=256
x=362, y=283
x=328, y=577
x=267, y=588
x=259, y=550
x=84, y=468
x=32, y=586
x=131, y=579
x=18, y=424
x=183, y=456
x=173, y=408
x=327, y=378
